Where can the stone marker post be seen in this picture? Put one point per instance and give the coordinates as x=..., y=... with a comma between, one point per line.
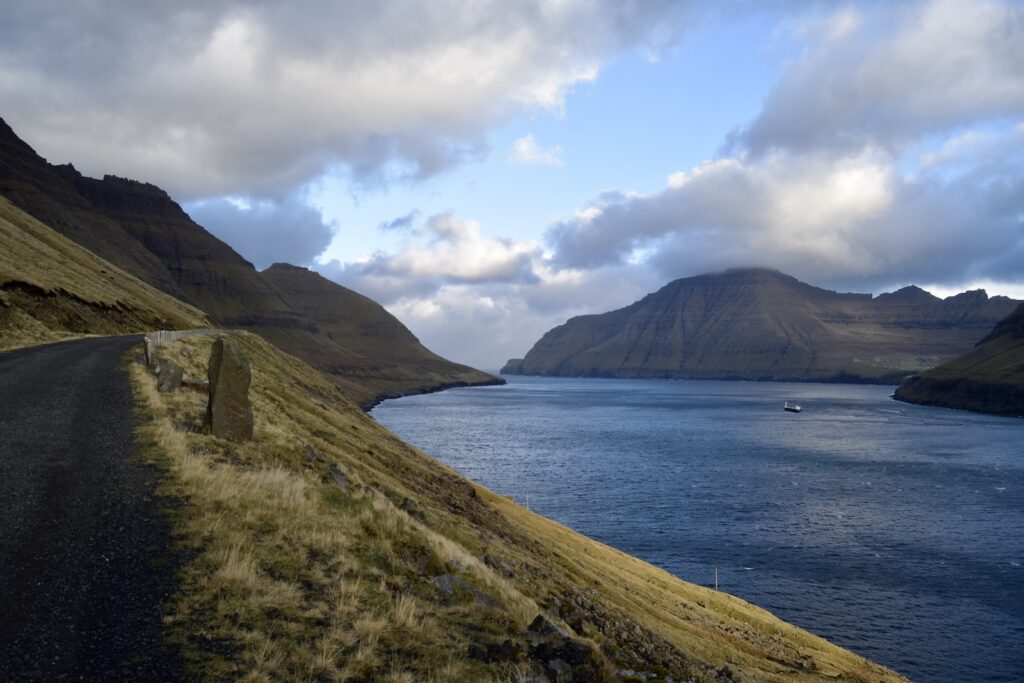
x=229, y=411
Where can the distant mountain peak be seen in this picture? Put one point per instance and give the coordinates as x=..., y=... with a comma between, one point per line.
x=969, y=295
x=908, y=294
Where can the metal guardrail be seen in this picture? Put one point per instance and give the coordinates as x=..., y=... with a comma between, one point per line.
x=158, y=338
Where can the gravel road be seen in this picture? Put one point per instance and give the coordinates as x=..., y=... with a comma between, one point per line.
x=85, y=552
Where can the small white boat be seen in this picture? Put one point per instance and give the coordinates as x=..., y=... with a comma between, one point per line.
x=791, y=407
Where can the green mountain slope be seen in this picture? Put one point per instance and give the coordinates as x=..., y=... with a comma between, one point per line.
x=764, y=325
x=51, y=288
x=139, y=228
x=989, y=378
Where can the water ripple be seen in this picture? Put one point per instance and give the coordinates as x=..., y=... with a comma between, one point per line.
x=894, y=530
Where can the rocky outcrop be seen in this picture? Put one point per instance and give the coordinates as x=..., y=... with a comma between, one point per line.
x=139, y=228
x=169, y=375
x=229, y=410
x=514, y=366
x=760, y=324
x=989, y=378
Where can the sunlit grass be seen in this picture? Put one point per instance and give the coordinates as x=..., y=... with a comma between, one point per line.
x=56, y=289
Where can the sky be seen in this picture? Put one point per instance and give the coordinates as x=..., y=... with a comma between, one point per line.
x=488, y=169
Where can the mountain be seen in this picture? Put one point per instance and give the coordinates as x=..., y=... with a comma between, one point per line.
x=989, y=378
x=139, y=228
x=760, y=324
x=52, y=288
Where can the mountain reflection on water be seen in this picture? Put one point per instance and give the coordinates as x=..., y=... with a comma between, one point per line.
x=894, y=530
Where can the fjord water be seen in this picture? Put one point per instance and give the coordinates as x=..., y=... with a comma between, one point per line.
x=894, y=530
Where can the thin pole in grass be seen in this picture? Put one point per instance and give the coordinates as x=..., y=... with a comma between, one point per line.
x=716, y=578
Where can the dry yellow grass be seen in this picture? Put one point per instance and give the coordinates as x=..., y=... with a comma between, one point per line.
x=52, y=289
x=295, y=577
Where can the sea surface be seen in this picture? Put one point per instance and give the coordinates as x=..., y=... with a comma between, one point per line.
x=894, y=530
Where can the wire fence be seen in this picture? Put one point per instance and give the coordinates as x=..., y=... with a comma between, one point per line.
x=158, y=338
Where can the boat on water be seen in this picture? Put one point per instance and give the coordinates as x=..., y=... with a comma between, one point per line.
x=791, y=407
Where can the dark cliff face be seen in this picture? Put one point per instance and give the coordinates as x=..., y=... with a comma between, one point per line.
x=989, y=378
x=49, y=194
x=209, y=273
x=138, y=227
x=762, y=324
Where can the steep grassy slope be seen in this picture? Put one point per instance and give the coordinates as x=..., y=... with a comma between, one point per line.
x=989, y=378
x=52, y=288
x=139, y=228
x=762, y=324
x=328, y=549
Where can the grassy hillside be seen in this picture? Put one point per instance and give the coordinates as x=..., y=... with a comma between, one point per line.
x=328, y=549
x=988, y=379
x=51, y=288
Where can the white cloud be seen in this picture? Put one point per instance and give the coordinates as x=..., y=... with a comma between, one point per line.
x=889, y=151
x=485, y=324
x=458, y=251
x=525, y=150
x=445, y=250
x=898, y=72
x=832, y=26
x=848, y=220
x=678, y=179
x=806, y=208
x=954, y=147
x=1014, y=290
x=219, y=97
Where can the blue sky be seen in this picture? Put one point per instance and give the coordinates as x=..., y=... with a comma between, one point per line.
x=541, y=159
x=642, y=118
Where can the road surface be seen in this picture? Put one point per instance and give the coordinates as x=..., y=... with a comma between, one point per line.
x=85, y=552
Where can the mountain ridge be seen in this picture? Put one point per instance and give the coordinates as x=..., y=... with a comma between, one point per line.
x=138, y=227
x=761, y=324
